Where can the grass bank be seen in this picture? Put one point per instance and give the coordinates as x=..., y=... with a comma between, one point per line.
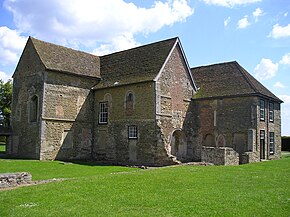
x=2, y=147
x=260, y=189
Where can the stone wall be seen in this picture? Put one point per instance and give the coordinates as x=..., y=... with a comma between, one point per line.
x=27, y=85
x=237, y=119
x=249, y=157
x=226, y=122
x=67, y=117
x=174, y=89
x=268, y=127
x=219, y=155
x=111, y=142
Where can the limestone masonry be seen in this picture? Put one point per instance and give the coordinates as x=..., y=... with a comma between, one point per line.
x=143, y=106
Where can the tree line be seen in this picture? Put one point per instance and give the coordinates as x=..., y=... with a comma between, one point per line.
x=5, y=102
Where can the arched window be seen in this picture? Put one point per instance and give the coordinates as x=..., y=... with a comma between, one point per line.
x=33, y=113
x=130, y=101
x=130, y=97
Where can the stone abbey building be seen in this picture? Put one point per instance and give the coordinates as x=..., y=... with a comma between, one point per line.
x=142, y=106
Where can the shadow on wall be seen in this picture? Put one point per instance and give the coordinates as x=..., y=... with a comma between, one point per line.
x=190, y=127
x=75, y=138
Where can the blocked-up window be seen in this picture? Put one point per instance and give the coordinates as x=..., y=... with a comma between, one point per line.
x=103, y=113
x=271, y=112
x=271, y=143
x=262, y=110
x=33, y=113
x=67, y=139
x=132, y=132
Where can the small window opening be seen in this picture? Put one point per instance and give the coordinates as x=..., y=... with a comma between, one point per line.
x=262, y=110
x=33, y=109
x=103, y=113
x=130, y=103
x=272, y=143
x=132, y=132
x=271, y=112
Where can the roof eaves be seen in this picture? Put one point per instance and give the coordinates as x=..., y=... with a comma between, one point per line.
x=30, y=40
x=71, y=73
x=39, y=56
x=165, y=62
x=245, y=77
x=187, y=65
x=177, y=42
x=238, y=95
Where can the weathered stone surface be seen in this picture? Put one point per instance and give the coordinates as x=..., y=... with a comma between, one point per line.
x=14, y=179
x=220, y=155
x=55, y=114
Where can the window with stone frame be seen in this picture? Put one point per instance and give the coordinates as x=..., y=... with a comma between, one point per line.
x=271, y=143
x=262, y=110
x=33, y=109
x=271, y=112
x=103, y=113
x=132, y=132
x=130, y=98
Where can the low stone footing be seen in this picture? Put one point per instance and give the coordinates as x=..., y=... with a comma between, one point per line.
x=219, y=155
x=14, y=179
x=249, y=157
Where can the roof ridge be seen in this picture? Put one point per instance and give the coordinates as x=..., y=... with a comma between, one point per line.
x=213, y=64
x=245, y=76
x=63, y=59
x=37, y=52
x=53, y=44
x=144, y=45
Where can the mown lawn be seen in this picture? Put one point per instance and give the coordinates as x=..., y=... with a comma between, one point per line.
x=260, y=189
x=2, y=147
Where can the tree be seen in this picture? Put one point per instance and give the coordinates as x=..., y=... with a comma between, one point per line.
x=5, y=102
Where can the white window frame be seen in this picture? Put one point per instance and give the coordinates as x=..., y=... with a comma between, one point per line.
x=262, y=110
x=271, y=143
x=132, y=132
x=103, y=113
x=271, y=112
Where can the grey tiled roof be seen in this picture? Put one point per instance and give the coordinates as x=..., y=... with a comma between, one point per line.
x=135, y=65
x=227, y=79
x=62, y=59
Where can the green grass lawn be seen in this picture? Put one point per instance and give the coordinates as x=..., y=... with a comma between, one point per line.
x=2, y=147
x=260, y=189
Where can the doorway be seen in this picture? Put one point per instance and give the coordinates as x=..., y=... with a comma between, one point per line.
x=179, y=145
x=262, y=145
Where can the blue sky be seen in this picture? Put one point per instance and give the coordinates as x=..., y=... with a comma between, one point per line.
x=256, y=33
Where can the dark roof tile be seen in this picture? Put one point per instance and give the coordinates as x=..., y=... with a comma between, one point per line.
x=62, y=59
x=134, y=65
x=227, y=79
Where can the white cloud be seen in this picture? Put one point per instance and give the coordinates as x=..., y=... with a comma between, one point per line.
x=230, y=3
x=243, y=23
x=285, y=98
x=90, y=22
x=119, y=43
x=286, y=14
x=278, y=84
x=257, y=13
x=4, y=77
x=280, y=31
x=11, y=44
x=227, y=21
x=266, y=69
x=285, y=59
